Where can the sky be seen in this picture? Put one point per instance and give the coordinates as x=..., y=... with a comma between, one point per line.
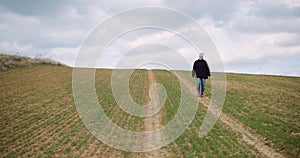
x=251, y=36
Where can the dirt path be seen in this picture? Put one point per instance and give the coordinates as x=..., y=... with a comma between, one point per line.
x=247, y=136
x=152, y=123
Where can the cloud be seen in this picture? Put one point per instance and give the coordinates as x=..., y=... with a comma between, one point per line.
x=14, y=47
x=251, y=36
x=254, y=42
x=162, y=55
x=287, y=40
x=221, y=10
x=253, y=24
x=275, y=10
x=35, y=8
x=45, y=27
x=140, y=37
x=65, y=55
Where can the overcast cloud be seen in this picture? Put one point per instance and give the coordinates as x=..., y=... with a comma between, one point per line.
x=251, y=36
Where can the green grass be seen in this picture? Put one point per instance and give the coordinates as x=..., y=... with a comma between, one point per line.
x=269, y=105
x=171, y=84
x=220, y=141
x=39, y=118
x=106, y=98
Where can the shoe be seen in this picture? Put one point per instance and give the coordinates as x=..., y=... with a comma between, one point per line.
x=202, y=95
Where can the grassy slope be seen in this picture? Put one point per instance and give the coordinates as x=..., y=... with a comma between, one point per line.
x=38, y=116
x=219, y=142
x=270, y=106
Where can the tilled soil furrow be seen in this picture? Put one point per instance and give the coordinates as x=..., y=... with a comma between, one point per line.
x=40, y=124
x=50, y=136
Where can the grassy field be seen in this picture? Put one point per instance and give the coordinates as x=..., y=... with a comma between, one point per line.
x=270, y=106
x=39, y=118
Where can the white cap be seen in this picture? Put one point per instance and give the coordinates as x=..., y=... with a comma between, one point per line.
x=201, y=54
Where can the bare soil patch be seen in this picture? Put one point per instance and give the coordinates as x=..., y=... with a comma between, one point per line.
x=152, y=123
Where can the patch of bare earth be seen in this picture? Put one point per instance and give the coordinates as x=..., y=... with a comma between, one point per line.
x=247, y=136
x=152, y=123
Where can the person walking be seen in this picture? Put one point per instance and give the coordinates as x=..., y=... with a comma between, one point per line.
x=201, y=72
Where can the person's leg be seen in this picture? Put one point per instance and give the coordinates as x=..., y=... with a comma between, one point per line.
x=202, y=85
x=198, y=85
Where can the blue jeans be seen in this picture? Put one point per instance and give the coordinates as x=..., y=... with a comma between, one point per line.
x=202, y=82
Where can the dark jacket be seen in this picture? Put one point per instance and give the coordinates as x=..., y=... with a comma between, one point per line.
x=201, y=68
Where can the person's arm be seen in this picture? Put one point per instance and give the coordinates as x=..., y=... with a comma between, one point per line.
x=208, y=71
x=194, y=71
x=194, y=66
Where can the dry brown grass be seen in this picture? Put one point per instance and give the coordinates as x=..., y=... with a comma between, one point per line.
x=12, y=61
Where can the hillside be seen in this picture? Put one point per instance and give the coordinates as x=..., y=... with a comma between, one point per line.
x=38, y=117
x=12, y=61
